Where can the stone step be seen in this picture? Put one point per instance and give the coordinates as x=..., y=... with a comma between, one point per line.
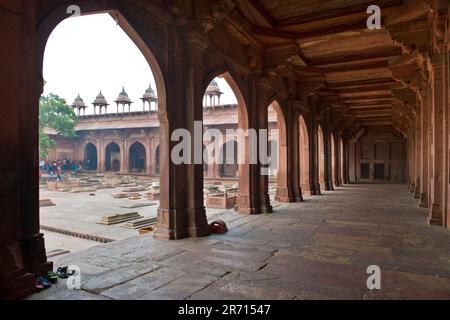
x=141, y=223
x=46, y=203
x=120, y=195
x=139, y=205
x=119, y=218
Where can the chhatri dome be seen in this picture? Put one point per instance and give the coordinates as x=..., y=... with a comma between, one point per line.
x=100, y=100
x=123, y=97
x=78, y=103
x=150, y=94
x=213, y=88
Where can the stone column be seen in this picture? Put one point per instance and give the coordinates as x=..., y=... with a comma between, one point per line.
x=182, y=213
x=446, y=142
x=437, y=179
x=314, y=155
x=424, y=148
x=352, y=158
x=337, y=160
x=148, y=158
x=263, y=93
x=411, y=156
x=22, y=249
x=328, y=159
x=417, y=149
x=288, y=188
x=124, y=156
x=346, y=173
x=100, y=154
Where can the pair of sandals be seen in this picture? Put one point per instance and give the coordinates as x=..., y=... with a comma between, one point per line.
x=45, y=282
x=64, y=272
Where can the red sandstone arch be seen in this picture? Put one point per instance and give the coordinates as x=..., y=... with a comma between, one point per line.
x=321, y=151
x=156, y=58
x=304, y=156
x=243, y=146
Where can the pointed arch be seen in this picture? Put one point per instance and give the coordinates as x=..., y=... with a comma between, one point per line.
x=243, y=142
x=112, y=157
x=90, y=157
x=137, y=158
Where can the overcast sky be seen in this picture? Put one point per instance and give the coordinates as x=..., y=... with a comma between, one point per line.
x=91, y=53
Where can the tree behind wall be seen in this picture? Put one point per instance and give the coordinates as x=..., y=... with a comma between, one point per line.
x=54, y=113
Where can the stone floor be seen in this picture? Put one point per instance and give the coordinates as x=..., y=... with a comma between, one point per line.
x=318, y=249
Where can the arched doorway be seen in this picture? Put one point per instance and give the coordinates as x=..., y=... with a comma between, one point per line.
x=112, y=157
x=321, y=163
x=232, y=125
x=137, y=158
x=90, y=157
x=304, y=156
x=108, y=156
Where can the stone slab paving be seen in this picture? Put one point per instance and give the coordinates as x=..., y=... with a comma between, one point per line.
x=318, y=249
x=79, y=212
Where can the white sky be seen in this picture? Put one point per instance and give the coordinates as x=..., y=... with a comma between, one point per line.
x=91, y=53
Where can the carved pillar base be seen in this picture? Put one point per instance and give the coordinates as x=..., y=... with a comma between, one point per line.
x=306, y=189
x=244, y=205
x=34, y=255
x=18, y=287
x=283, y=195
x=171, y=224
x=424, y=200
x=266, y=207
x=15, y=282
x=436, y=215
x=411, y=187
x=201, y=227
x=315, y=190
x=329, y=186
x=417, y=191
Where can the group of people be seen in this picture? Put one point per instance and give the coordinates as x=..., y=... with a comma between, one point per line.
x=55, y=169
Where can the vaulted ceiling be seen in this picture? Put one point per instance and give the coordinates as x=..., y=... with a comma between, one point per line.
x=363, y=69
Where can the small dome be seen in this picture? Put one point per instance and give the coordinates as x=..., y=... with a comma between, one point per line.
x=213, y=88
x=150, y=93
x=78, y=103
x=123, y=96
x=100, y=100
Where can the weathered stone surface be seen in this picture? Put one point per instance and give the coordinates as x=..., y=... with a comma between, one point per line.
x=327, y=258
x=139, y=287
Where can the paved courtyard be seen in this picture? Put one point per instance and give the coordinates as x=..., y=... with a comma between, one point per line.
x=79, y=213
x=318, y=249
